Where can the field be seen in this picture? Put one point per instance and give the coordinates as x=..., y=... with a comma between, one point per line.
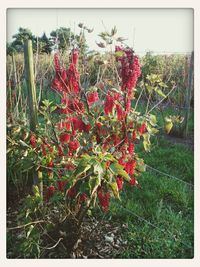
x=153, y=215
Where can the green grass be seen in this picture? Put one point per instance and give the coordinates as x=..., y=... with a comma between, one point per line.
x=164, y=202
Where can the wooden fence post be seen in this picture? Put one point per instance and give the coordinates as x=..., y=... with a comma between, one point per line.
x=30, y=82
x=188, y=96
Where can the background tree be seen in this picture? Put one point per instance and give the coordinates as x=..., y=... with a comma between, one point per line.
x=45, y=44
x=19, y=38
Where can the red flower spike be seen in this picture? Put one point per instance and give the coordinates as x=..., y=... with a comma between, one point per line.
x=120, y=182
x=78, y=124
x=142, y=129
x=33, y=141
x=130, y=167
x=134, y=136
x=122, y=162
x=64, y=138
x=73, y=79
x=133, y=182
x=98, y=124
x=120, y=113
x=130, y=68
x=64, y=125
x=83, y=197
x=60, y=184
x=71, y=192
x=109, y=104
x=57, y=63
x=60, y=151
x=131, y=148
x=104, y=199
x=74, y=56
x=66, y=81
x=87, y=128
x=50, y=191
x=74, y=145
x=107, y=164
x=116, y=139
x=43, y=149
x=92, y=98
x=128, y=105
x=69, y=166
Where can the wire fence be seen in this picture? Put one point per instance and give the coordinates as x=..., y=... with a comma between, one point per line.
x=170, y=176
x=173, y=236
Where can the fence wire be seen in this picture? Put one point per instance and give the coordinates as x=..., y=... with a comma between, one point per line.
x=170, y=176
x=173, y=236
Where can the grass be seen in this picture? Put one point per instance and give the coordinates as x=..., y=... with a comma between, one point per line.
x=164, y=228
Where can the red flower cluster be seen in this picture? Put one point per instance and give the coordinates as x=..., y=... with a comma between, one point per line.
x=130, y=167
x=130, y=68
x=60, y=151
x=50, y=166
x=74, y=145
x=131, y=148
x=92, y=98
x=83, y=197
x=120, y=182
x=133, y=182
x=64, y=138
x=114, y=100
x=71, y=192
x=43, y=147
x=33, y=141
x=142, y=128
x=64, y=125
x=50, y=191
x=66, y=80
x=71, y=105
x=104, y=199
x=109, y=104
x=60, y=184
x=120, y=112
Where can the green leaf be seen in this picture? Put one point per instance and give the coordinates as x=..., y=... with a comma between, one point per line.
x=140, y=165
x=23, y=143
x=52, y=108
x=162, y=84
x=153, y=120
x=98, y=169
x=46, y=103
x=152, y=130
x=149, y=88
x=120, y=39
x=113, y=31
x=86, y=156
x=108, y=157
x=146, y=141
x=36, y=191
x=85, y=120
x=117, y=169
x=82, y=167
x=168, y=126
x=119, y=53
x=94, y=182
x=114, y=188
x=160, y=92
x=29, y=231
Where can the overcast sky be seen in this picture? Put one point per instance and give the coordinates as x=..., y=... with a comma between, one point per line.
x=158, y=30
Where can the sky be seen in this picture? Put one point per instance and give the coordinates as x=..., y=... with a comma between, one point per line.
x=157, y=30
